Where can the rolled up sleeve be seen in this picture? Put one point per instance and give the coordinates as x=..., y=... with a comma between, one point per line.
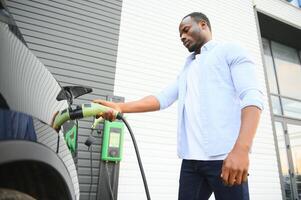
x=245, y=80
x=167, y=96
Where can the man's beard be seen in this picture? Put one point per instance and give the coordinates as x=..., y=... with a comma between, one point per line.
x=192, y=48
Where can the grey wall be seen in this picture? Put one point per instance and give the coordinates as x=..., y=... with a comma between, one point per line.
x=77, y=41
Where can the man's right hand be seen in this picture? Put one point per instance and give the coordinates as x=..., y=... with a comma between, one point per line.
x=109, y=115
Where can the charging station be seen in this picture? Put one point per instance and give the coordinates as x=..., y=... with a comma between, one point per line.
x=112, y=135
x=102, y=147
x=112, y=141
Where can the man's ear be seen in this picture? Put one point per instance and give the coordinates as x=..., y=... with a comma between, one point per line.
x=202, y=24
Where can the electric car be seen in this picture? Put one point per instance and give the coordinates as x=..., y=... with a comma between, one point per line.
x=35, y=162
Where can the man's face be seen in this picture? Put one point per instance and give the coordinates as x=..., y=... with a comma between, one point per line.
x=191, y=34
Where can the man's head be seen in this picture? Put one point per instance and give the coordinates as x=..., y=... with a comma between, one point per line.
x=195, y=30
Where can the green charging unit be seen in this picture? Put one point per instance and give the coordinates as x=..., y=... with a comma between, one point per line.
x=113, y=133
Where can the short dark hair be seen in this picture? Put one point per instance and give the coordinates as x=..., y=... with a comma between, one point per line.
x=198, y=16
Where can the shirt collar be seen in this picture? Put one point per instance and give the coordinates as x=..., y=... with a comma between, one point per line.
x=206, y=47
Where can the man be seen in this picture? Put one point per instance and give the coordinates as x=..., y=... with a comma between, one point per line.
x=219, y=106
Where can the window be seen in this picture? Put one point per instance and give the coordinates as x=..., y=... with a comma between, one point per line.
x=284, y=78
x=288, y=70
x=269, y=66
x=296, y=3
x=291, y=108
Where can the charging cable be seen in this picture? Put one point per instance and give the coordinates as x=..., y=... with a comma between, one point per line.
x=138, y=156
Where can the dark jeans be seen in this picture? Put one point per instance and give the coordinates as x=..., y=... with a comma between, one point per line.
x=16, y=126
x=198, y=179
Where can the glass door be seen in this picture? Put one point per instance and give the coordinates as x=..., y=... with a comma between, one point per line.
x=294, y=134
x=286, y=180
x=288, y=134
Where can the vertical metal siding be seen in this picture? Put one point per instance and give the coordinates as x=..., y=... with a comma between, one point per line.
x=77, y=41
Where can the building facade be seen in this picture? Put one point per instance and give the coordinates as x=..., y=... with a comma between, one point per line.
x=132, y=48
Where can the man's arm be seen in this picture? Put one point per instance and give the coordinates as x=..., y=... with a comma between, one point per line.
x=149, y=103
x=146, y=104
x=236, y=165
x=243, y=72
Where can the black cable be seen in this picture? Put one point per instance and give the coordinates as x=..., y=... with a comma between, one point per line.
x=91, y=175
x=58, y=143
x=98, y=175
x=138, y=156
x=90, y=148
x=109, y=181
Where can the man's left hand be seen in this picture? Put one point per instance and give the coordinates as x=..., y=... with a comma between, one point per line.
x=235, y=167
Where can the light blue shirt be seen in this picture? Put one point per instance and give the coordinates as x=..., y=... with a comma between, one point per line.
x=211, y=89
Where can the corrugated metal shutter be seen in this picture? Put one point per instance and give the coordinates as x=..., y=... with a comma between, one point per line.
x=77, y=41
